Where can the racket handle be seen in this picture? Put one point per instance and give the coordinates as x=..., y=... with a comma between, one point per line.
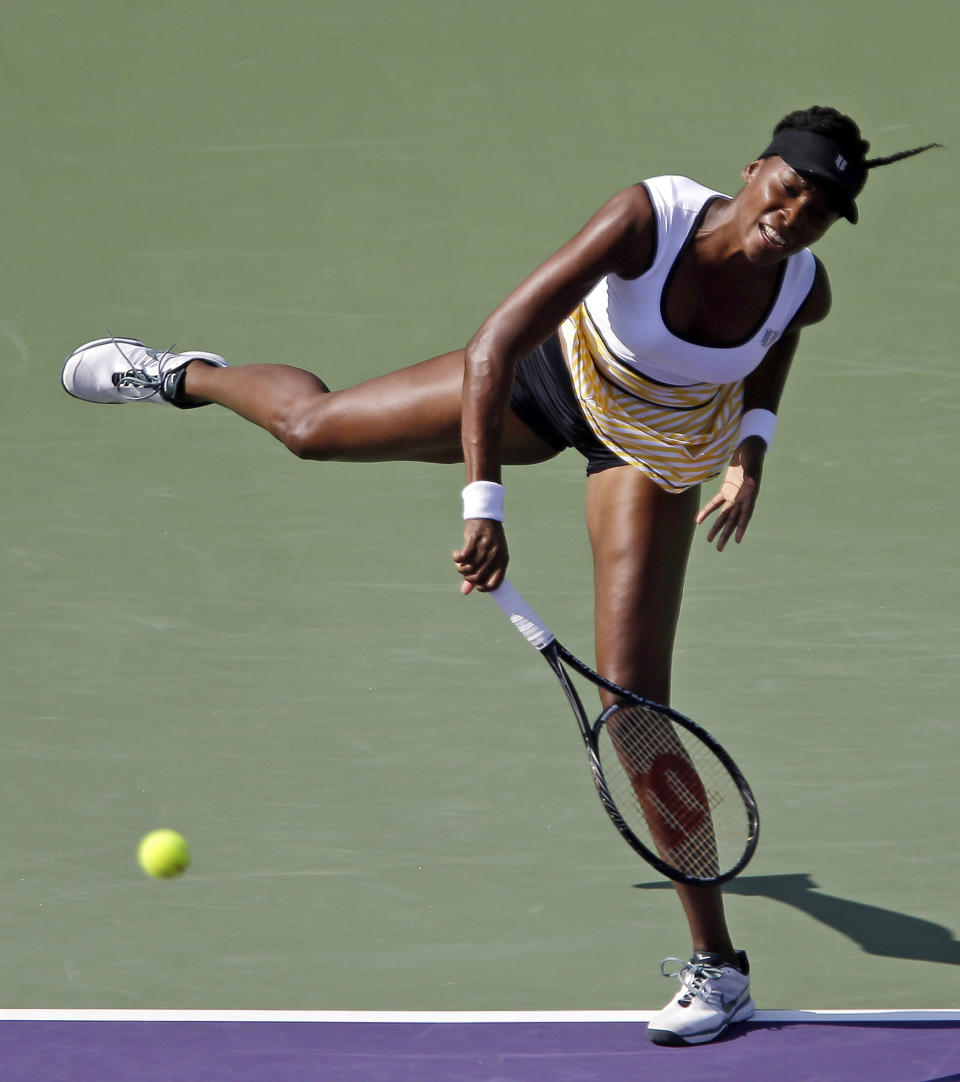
x=523, y=618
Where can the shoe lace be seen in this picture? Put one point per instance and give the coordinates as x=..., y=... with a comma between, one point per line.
x=137, y=375
x=692, y=975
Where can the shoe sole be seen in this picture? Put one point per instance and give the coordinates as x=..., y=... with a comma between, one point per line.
x=74, y=359
x=675, y=1040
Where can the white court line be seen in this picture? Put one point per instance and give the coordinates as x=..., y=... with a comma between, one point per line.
x=441, y=1017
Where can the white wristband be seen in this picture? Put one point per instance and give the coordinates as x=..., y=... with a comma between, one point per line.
x=762, y=423
x=483, y=499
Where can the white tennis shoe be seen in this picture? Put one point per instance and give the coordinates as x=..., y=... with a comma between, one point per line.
x=117, y=370
x=713, y=993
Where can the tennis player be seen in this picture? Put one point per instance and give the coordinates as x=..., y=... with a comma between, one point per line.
x=657, y=342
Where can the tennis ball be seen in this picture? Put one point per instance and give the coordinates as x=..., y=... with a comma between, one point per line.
x=164, y=854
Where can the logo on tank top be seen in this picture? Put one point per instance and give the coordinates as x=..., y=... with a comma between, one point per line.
x=769, y=337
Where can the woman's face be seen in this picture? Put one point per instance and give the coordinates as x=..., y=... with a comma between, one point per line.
x=782, y=211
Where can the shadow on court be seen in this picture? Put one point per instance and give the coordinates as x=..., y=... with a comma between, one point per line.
x=878, y=931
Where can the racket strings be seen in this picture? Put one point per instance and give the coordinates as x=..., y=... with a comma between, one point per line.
x=673, y=792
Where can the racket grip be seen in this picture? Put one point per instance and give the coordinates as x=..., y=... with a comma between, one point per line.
x=523, y=618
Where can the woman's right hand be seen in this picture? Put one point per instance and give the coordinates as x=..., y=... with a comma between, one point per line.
x=484, y=557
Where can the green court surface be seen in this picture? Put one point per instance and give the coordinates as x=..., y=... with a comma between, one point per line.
x=386, y=797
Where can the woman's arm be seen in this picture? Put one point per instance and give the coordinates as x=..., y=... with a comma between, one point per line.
x=618, y=239
x=762, y=390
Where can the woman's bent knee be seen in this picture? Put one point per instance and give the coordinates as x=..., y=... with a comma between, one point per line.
x=302, y=432
x=304, y=442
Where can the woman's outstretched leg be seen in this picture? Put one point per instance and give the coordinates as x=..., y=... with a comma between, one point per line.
x=410, y=414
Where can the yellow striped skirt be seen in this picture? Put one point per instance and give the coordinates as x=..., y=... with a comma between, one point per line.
x=677, y=436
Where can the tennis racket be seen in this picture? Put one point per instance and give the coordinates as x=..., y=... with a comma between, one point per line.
x=671, y=790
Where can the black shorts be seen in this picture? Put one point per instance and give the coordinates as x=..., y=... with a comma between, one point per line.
x=544, y=400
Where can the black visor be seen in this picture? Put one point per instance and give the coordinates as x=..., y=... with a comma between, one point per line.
x=825, y=162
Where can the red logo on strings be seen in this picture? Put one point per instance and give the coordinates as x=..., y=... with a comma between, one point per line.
x=673, y=799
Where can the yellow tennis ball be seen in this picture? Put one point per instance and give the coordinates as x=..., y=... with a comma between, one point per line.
x=164, y=854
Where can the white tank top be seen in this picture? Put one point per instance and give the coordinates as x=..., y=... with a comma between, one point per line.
x=628, y=313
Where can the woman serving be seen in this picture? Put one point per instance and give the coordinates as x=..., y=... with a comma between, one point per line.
x=657, y=342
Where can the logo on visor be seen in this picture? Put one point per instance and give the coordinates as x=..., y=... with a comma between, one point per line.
x=841, y=163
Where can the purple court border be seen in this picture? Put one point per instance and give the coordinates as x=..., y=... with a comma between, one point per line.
x=565, y=1046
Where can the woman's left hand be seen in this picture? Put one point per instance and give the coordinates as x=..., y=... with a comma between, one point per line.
x=738, y=494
